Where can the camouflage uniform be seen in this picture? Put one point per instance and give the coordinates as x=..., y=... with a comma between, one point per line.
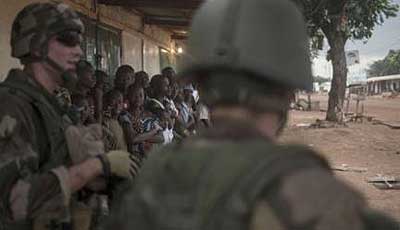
x=34, y=181
x=34, y=156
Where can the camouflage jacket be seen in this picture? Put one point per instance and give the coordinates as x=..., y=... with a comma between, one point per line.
x=232, y=178
x=33, y=155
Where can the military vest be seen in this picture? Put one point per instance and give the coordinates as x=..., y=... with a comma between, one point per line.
x=209, y=184
x=49, y=125
x=50, y=121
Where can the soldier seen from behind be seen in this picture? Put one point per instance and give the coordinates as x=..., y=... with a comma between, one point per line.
x=234, y=175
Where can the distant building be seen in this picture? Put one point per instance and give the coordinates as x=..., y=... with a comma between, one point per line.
x=325, y=87
x=378, y=85
x=358, y=89
x=316, y=87
x=115, y=34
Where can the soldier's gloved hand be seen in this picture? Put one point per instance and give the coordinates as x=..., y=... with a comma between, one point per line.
x=120, y=163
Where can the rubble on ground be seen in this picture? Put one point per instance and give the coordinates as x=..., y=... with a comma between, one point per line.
x=385, y=182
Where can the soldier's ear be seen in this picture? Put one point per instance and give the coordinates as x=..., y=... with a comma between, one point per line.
x=35, y=51
x=40, y=45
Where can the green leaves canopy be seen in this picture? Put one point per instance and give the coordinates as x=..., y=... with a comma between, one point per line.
x=388, y=66
x=355, y=18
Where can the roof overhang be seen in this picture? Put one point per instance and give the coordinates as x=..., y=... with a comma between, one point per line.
x=384, y=78
x=173, y=15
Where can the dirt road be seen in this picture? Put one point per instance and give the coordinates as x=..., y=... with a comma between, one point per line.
x=374, y=147
x=382, y=108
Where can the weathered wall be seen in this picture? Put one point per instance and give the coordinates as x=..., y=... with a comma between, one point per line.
x=133, y=50
x=151, y=60
x=133, y=35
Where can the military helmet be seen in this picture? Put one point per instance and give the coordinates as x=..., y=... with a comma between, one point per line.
x=37, y=22
x=264, y=37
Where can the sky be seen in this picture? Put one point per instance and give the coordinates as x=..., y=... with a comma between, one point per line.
x=384, y=38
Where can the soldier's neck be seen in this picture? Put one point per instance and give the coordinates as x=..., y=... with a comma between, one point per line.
x=239, y=121
x=44, y=75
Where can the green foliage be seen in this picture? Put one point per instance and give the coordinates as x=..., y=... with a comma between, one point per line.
x=365, y=14
x=355, y=19
x=388, y=66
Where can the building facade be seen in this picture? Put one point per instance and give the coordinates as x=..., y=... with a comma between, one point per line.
x=114, y=35
x=383, y=84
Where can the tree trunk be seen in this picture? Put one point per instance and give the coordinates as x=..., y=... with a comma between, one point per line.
x=337, y=41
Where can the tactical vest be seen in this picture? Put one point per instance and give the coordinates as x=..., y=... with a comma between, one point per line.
x=233, y=209
x=216, y=184
x=51, y=122
x=49, y=126
x=207, y=184
x=255, y=168
x=269, y=167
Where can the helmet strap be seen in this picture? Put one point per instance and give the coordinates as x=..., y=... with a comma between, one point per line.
x=54, y=64
x=69, y=77
x=43, y=55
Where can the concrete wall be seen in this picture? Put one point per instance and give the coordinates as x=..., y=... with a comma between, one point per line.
x=133, y=50
x=135, y=36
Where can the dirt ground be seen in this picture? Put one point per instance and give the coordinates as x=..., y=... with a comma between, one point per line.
x=375, y=147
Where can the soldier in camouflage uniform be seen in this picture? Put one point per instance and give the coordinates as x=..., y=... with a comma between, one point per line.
x=38, y=180
x=248, y=56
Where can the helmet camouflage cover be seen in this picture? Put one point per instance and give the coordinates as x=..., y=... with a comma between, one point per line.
x=37, y=22
x=267, y=38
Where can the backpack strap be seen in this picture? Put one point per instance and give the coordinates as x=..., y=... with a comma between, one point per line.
x=232, y=208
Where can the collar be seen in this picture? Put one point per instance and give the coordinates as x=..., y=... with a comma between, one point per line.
x=20, y=77
x=233, y=129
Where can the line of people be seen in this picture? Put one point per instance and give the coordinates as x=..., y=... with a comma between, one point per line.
x=137, y=113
